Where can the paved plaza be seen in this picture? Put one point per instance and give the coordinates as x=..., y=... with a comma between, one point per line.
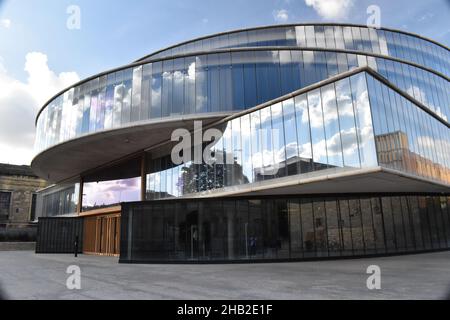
x=24, y=275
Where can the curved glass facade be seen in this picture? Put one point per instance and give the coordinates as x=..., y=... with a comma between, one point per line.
x=356, y=122
x=299, y=109
x=285, y=228
x=362, y=39
x=220, y=82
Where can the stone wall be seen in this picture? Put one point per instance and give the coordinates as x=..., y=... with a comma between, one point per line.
x=22, y=188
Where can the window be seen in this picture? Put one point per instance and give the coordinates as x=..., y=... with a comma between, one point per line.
x=363, y=121
x=5, y=205
x=332, y=131
x=167, y=88
x=136, y=93
x=317, y=130
x=156, y=84
x=60, y=202
x=303, y=134
x=33, y=207
x=291, y=146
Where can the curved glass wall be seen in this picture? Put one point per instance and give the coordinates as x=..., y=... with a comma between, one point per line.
x=356, y=122
x=216, y=82
x=58, y=200
x=283, y=228
x=378, y=41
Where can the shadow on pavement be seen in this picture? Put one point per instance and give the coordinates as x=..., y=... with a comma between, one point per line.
x=2, y=294
x=447, y=297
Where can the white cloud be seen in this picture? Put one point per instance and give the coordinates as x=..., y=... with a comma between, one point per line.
x=420, y=95
x=20, y=102
x=331, y=9
x=5, y=23
x=281, y=15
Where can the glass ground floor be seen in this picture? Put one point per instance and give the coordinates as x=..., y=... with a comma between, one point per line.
x=283, y=228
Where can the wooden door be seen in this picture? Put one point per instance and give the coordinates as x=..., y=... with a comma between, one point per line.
x=102, y=235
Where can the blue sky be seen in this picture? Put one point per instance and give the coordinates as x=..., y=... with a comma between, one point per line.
x=35, y=40
x=116, y=32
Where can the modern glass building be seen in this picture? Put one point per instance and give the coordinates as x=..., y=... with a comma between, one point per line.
x=334, y=142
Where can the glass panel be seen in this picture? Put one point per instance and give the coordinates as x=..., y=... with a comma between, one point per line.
x=201, y=84
x=291, y=147
x=378, y=225
x=189, y=85
x=277, y=230
x=345, y=226
x=100, y=121
x=167, y=88
x=332, y=64
x=249, y=80
x=317, y=130
x=238, y=81
x=241, y=229
x=226, y=85
x=307, y=219
x=238, y=176
x=310, y=36
x=255, y=230
x=329, y=37
x=247, y=162
x=320, y=36
x=103, y=194
x=426, y=231
x=127, y=95
x=301, y=37
x=320, y=225
x=286, y=70
x=109, y=103
x=407, y=224
x=279, y=145
x=155, y=109
x=179, y=75
x=137, y=86
x=267, y=75
x=257, y=148
x=398, y=222
x=347, y=124
x=368, y=228
x=356, y=225
x=339, y=37
x=332, y=130
x=416, y=221
x=213, y=83
x=146, y=92
x=439, y=222
x=366, y=139
x=303, y=134
x=295, y=229
x=333, y=229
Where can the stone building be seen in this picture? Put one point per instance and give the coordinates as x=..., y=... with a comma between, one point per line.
x=18, y=187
